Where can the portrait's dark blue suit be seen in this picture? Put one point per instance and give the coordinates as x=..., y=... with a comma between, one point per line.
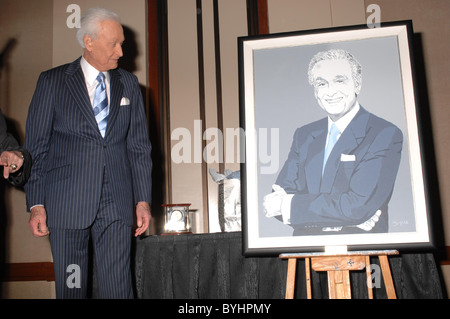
x=72, y=159
x=358, y=178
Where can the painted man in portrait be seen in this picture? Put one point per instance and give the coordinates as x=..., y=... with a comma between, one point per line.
x=340, y=171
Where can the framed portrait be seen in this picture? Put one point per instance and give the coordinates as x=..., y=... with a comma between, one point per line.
x=370, y=191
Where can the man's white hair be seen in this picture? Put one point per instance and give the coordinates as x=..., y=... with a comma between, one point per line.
x=90, y=22
x=337, y=54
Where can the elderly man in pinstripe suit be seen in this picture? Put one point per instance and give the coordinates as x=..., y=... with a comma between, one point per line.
x=88, y=137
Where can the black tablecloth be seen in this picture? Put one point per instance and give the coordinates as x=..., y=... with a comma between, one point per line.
x=210, y=266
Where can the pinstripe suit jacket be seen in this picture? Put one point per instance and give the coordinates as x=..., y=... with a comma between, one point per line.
x=70, y=156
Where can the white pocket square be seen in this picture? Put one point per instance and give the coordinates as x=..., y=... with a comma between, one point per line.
x=125, y=101
x=348, y=158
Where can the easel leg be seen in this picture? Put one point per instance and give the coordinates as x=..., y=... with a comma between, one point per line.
x=387, y=276
x=369, y=278
x=290, y=281
x=308, y=279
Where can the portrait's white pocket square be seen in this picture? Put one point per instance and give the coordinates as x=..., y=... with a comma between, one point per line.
x=125, y=101
x=348, y=158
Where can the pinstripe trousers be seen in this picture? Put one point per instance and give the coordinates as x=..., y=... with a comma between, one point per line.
x=111, y=239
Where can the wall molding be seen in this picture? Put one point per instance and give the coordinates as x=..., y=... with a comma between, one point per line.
x=446, y=257
x=38, y=271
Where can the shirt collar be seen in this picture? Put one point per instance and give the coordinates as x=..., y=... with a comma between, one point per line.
x=91, y=73
x=344, y=121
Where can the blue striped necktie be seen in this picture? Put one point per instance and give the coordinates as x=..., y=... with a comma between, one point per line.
x=101, y=109
x=332, y=139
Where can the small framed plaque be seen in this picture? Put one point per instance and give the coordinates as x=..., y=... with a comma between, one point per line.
x=176, y=219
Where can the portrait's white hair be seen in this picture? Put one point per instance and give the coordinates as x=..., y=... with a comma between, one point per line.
x=337, y=54
x=90, y=22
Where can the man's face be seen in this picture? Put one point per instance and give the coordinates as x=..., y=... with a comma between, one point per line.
x=334, y=87
x=104, y=52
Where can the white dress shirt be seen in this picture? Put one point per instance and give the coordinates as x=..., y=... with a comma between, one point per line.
x=343, y=122
x=90, y=77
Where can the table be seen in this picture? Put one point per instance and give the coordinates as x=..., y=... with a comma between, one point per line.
x=211, y=266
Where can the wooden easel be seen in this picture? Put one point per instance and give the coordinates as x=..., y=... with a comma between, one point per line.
x=338, y=267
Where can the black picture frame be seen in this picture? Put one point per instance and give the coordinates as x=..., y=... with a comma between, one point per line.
x=276, y=99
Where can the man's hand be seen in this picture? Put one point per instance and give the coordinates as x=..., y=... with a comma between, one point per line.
x=11, y=161
x=272, y=202
x=38, y=221
x=143, y=217
x=370, y=223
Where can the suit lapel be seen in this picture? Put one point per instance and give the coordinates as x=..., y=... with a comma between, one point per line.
x=116, y=87
x=313, y=169
x=76, y=85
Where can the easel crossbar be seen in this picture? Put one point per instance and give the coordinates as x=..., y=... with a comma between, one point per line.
x=349, y=253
